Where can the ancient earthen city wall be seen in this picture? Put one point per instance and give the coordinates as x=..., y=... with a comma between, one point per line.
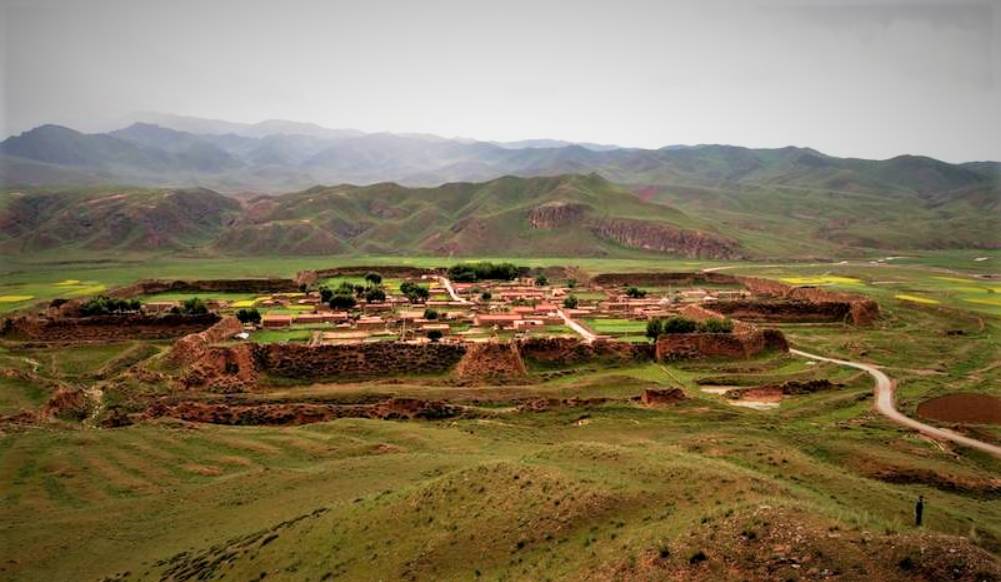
x=154, y=286
x=659, y=279
x=384, y=359
x=560, y=351
x=729, y=345
x=107, y=328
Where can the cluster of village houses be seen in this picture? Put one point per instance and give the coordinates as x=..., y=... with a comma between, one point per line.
x=519, y=306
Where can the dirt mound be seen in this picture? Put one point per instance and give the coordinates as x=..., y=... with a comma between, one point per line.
x=662, y=396
x=963, y=408
x=493, y=362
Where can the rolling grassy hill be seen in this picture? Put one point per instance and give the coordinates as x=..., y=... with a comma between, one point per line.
x=568, y=215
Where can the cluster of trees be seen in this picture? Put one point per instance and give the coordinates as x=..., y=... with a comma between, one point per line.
x=415, y=292
x=346, y=295
x=658, y=327
x=104, y=305
x=249, y=315
x=472, y=272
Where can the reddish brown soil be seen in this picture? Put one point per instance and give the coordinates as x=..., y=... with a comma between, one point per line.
x=963, y=408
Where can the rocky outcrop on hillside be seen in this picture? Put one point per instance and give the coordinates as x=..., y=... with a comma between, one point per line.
x=665, y=238
x=557, y=214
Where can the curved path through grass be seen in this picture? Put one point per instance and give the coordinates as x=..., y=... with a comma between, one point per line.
x=885, y=406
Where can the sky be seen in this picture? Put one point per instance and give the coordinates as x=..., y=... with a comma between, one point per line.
x=870, y=79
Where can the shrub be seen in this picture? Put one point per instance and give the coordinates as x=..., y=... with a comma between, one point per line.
x=635, y=293
x=375, y=295
x=373, y=278
x=430, y=314
x=249, y=315
x=570, y=302
x=716, y=325
x=342, y=301
x=435, y=335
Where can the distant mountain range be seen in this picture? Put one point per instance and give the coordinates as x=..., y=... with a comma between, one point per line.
x=280, y=156
x=424, y=193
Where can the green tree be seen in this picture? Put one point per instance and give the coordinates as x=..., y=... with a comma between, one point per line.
x=430, y=314
x=375, y=295
x=435, y=334
x=572, y=283
x=194, y=306
x=654, y=328
x=342, y=301
x=635, y=293
x=249, y=316
x=373, y=278
x=326, y=294
x=679, y=325
x=486, y=296
x=570, y=302
x=541, y=280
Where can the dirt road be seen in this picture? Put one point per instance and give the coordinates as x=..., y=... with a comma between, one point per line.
x=885, y=406
x=580, y=329
x=451, y=290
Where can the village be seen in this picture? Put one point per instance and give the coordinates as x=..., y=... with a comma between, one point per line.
x=432, y=308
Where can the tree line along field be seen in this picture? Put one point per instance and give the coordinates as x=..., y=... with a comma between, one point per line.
x=819, y=487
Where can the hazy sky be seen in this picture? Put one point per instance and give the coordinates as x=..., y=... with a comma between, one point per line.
x=866, y=79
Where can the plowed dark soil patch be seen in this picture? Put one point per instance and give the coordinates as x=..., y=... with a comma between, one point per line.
x=971, y=408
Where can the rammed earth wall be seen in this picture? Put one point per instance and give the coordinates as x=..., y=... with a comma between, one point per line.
x=108, y=328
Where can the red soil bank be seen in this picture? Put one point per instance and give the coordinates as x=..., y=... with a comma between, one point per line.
x=104, y=328
x=963, y=408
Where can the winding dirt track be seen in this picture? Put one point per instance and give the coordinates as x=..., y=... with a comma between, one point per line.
x=885, y=406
